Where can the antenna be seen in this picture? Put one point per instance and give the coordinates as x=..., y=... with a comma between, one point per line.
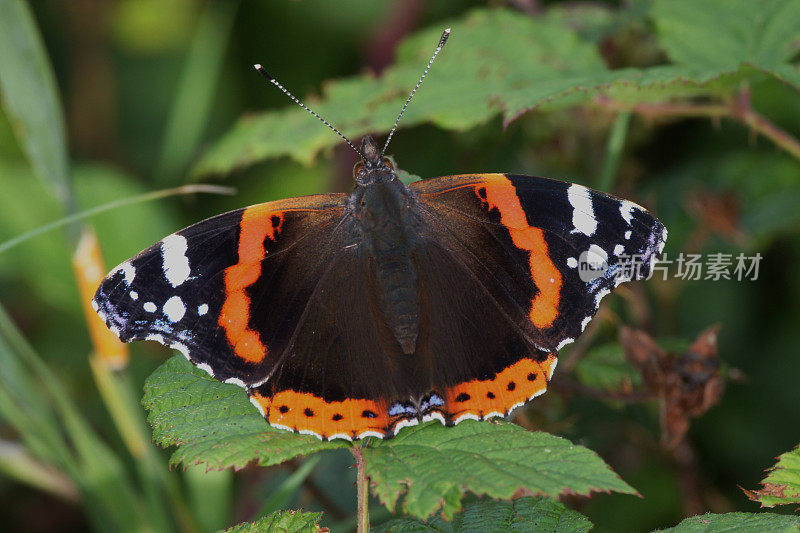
x=277, y=84
x=439, y=47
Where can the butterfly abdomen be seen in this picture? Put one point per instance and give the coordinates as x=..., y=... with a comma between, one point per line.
x=389, y=240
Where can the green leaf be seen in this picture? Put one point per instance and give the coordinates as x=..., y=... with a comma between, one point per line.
x=281, y=521
x=214, y=423
x=738, y=523
x=605, y=368
x=782, y=484
x=717, y=33
x=432, y=465
x=527, y=514
x=30, y=97
x=482, y=74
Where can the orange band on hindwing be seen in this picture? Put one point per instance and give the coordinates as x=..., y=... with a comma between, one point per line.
x=306, y=413
x=256, y=226
x=547, y=278
x=493, y=397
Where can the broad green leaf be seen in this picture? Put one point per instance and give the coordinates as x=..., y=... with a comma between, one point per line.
x=782, y=484
x=717, y=33
x=605, y=367
x=481, y=73
x=281, y=522
x=738, y=523
x=432, y=465
x=534, y=515
x=214, y=423
x=30, y=97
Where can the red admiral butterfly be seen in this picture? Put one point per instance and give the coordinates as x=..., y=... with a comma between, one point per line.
x=346, y=316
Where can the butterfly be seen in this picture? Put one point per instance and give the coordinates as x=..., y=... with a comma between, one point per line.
x=355, y=315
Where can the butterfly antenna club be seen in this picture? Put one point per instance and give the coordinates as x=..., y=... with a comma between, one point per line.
x=270, y=78
x=442, y=40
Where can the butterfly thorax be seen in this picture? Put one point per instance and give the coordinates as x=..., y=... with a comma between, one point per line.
x=382, y=207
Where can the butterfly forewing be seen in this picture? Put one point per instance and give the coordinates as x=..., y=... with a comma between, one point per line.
x=555, y=248
x=193, y=290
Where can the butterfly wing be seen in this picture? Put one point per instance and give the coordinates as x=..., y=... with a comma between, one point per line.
x=518, y=242
x=272, y=298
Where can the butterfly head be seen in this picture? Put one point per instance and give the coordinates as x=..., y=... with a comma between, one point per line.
x=372, y=167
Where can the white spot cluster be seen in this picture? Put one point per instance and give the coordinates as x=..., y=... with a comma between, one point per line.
x=583, y=218
x=175, y=262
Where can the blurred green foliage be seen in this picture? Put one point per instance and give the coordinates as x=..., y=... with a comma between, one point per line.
x=155, y=94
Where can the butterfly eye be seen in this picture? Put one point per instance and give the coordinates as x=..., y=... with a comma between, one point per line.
x=358, y=169
x=388, y=163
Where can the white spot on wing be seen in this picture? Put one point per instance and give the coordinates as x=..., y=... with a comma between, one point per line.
x=628, y=234
x=370, y=434
x=406, y=422
x=585, y=322
x=258, y=405
x=568, y=340
x=206, y=368
x=174, y=309
x=582, y=211
x=572, y=262
x=600, y=255
x=618, y=249
x=150, y=307
x=309, y=432
x=134, y=295
x=175, y=263
x=436, y=415
x=128, y=272
x=236, y=381
x=344, y=436
x=95, y=305
x=155, y=337
x=599, y=296
x=202, y=309
x=183, y=349
x=466, y=416
x=626, y=209
x=552, y=369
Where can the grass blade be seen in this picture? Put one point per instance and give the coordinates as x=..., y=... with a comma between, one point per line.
x=30, y=97
x=155, y=195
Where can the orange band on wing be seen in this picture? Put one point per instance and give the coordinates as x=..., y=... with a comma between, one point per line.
x=304, y=412
x=255, y=227
x=502, y=195
x=496, y=397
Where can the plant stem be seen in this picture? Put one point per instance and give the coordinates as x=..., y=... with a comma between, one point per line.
x=362, y=482
x=738, y=109
x=155, y=195
x=614, y=148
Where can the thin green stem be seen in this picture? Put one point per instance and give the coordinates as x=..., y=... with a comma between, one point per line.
x=738, y=109
x=614, y=147
x=155, y=195
x=362, y=483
